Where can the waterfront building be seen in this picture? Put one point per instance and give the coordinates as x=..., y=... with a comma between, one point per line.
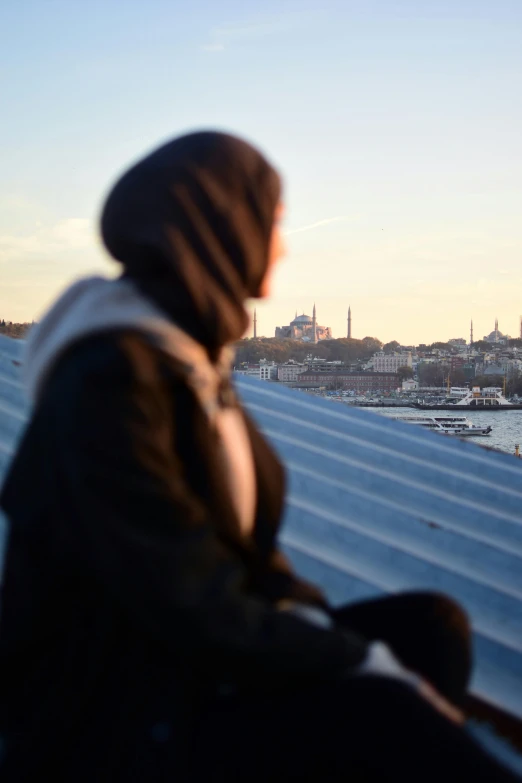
x=265, y=370
x=495, y=369
x=457, y=362
x=288, y=373
x=250, y=369
x=457, y=341
x=383, y=362
x=358, y=382
x=321, y=365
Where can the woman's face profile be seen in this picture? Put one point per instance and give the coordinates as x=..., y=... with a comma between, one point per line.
x=276, y=251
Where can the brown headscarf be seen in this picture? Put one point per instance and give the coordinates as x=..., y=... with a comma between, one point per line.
x=191, y=224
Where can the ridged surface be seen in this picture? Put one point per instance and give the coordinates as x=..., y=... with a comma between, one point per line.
x=13, y=405
x=376, y=506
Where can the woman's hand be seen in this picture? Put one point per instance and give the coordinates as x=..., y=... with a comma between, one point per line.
x=381, y=662
x=441, y=704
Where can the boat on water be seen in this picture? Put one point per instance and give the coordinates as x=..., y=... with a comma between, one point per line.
x=490, y=398
x=447, y=425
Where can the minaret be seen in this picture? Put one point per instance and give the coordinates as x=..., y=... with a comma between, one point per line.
x=255, y=325
x=471, y=335
x=521, y=327
x=349, y=335
x=314, y=325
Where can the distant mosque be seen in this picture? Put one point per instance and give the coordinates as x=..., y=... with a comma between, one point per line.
x=305, y=328
x=495, y=336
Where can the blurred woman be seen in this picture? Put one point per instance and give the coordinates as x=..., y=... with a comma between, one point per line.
x=151, y=629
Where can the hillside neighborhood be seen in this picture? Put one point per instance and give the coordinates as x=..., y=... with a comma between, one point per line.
x=369, y=366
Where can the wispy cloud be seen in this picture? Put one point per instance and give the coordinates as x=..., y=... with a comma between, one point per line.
x=253, y=29
x=319, y=223
x=214, y=47
x=220, y=38
x=47, y=242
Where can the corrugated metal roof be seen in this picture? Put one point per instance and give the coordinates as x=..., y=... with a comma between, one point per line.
x=13, y=405
x=377, y=506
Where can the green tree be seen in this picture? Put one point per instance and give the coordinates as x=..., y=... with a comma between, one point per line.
x=458, y=377
x=321, y=350
x=514, y=383
x=391, y=347
x=482, y=345
x=488, y=380
x=344, y=349
x=404, y=373
x=431, y=374
x=372, y=344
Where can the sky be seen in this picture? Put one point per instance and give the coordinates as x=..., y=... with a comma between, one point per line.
x=396, y=124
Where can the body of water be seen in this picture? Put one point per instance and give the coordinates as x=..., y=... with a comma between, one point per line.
x=506, y=426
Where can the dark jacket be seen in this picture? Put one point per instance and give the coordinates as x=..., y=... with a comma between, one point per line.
x=130, y=600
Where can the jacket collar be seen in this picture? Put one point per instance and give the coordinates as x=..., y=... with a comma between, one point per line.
x=96, y=304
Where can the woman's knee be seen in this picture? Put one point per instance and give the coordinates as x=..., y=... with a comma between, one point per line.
x=441, y=610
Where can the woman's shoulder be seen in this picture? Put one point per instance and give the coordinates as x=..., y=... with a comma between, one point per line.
x=111, y=358
x=107, y=352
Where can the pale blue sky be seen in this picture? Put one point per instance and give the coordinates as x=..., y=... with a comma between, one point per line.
x=402, y=118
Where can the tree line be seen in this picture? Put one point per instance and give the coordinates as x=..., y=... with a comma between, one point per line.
x=342, y=349
x=281, y=351
x=17, y=331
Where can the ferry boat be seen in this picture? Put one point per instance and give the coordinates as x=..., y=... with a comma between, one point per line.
x=447, y=425
x=488, y=397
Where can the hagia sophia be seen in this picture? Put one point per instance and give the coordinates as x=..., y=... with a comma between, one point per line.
x=306, y=328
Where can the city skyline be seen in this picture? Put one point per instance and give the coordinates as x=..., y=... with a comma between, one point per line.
x=262, y=332
x=253, y=330
x=398, y=142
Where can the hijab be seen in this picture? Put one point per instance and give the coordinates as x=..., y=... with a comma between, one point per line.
x=191, y=226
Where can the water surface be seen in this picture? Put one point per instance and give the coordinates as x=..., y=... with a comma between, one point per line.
x=506, y=432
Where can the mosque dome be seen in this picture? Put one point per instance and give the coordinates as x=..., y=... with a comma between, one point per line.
x=302, y=319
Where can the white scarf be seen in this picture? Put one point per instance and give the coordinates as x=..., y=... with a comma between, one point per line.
x=95, y=305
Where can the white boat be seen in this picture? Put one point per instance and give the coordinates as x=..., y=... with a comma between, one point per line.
x=488, y=397
x=447, y=425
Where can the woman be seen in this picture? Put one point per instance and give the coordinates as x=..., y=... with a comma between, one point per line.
x=151, y=629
